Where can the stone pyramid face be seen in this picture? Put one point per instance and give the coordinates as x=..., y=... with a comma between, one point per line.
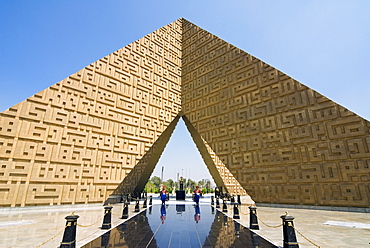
x=101, y=131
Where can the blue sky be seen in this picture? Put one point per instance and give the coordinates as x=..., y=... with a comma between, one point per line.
x=322, y=44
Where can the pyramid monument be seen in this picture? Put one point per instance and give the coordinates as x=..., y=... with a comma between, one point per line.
x=100, y=132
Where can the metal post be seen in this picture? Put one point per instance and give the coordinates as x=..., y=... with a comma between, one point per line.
x=212, y=200
x=69, y=236
x=290, y=240
x=236, y=212
x=150, y=200
x=125, y=211
x=217, y=203
x=107, y=218
x=253, y=221
x=137, y=207
x=144, y=204
x=239, y=201
x=224, y=207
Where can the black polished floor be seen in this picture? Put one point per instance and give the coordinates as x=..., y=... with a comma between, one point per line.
x=180, y=226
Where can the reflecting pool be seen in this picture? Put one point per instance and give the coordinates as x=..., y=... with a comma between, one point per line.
x=180, y=225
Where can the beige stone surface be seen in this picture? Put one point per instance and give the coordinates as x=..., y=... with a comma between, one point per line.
x=311, y=230
x=77, y=140
x=260, y=132
x=283, y=142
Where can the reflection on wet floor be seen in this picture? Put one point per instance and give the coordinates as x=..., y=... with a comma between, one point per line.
x=180, y=226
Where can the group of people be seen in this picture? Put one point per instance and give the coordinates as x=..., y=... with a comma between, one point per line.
x=196, y=195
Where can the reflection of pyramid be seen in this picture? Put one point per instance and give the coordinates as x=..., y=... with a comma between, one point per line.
x=76, y=141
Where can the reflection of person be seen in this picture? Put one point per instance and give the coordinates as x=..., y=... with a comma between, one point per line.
x=196, y=194
x=163, y=195
x=197, y=214
x=163, y=213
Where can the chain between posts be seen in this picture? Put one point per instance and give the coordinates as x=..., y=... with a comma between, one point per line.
x=269, y=225
x=66, y=226
x=51, y=237
x=240, y=211
x=289, y=224
x=92, y=223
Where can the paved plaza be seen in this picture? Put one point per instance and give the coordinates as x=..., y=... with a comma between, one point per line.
x=43, y=226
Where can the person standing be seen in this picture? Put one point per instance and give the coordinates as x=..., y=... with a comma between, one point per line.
x=196, y=194
x=163, y=195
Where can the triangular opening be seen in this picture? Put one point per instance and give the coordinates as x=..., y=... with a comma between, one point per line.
x=181, y=158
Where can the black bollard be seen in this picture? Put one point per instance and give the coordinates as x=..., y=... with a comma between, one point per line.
x=144, y=204
x=253, y=221
x=125, y=211
x=69, y=236
x=150, y=200
x=232, y=199
x=217, y=203
x=290, y=240
x=107, y=218
x=238, y=199
x=212, y=209
x=150, y=210
x=212, y=200
x=137, y=207
x=236, y=212
x=224, y=207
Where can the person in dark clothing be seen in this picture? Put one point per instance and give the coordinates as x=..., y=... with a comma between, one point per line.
x=163, y=195
x=196, y=194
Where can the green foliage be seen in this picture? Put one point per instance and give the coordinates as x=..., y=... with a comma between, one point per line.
x=154, y=184
x=151, y=188
x=156, y=181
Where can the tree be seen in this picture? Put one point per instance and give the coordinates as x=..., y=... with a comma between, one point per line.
x=151, y=188
x=169, y=183
x=191, y=184
x=202, y=183
x=156, y=181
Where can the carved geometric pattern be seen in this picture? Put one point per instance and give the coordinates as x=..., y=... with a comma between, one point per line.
x=232, y=186
x=103, y=129
x=75, y=141
x=136, y=180
x=284, y=142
